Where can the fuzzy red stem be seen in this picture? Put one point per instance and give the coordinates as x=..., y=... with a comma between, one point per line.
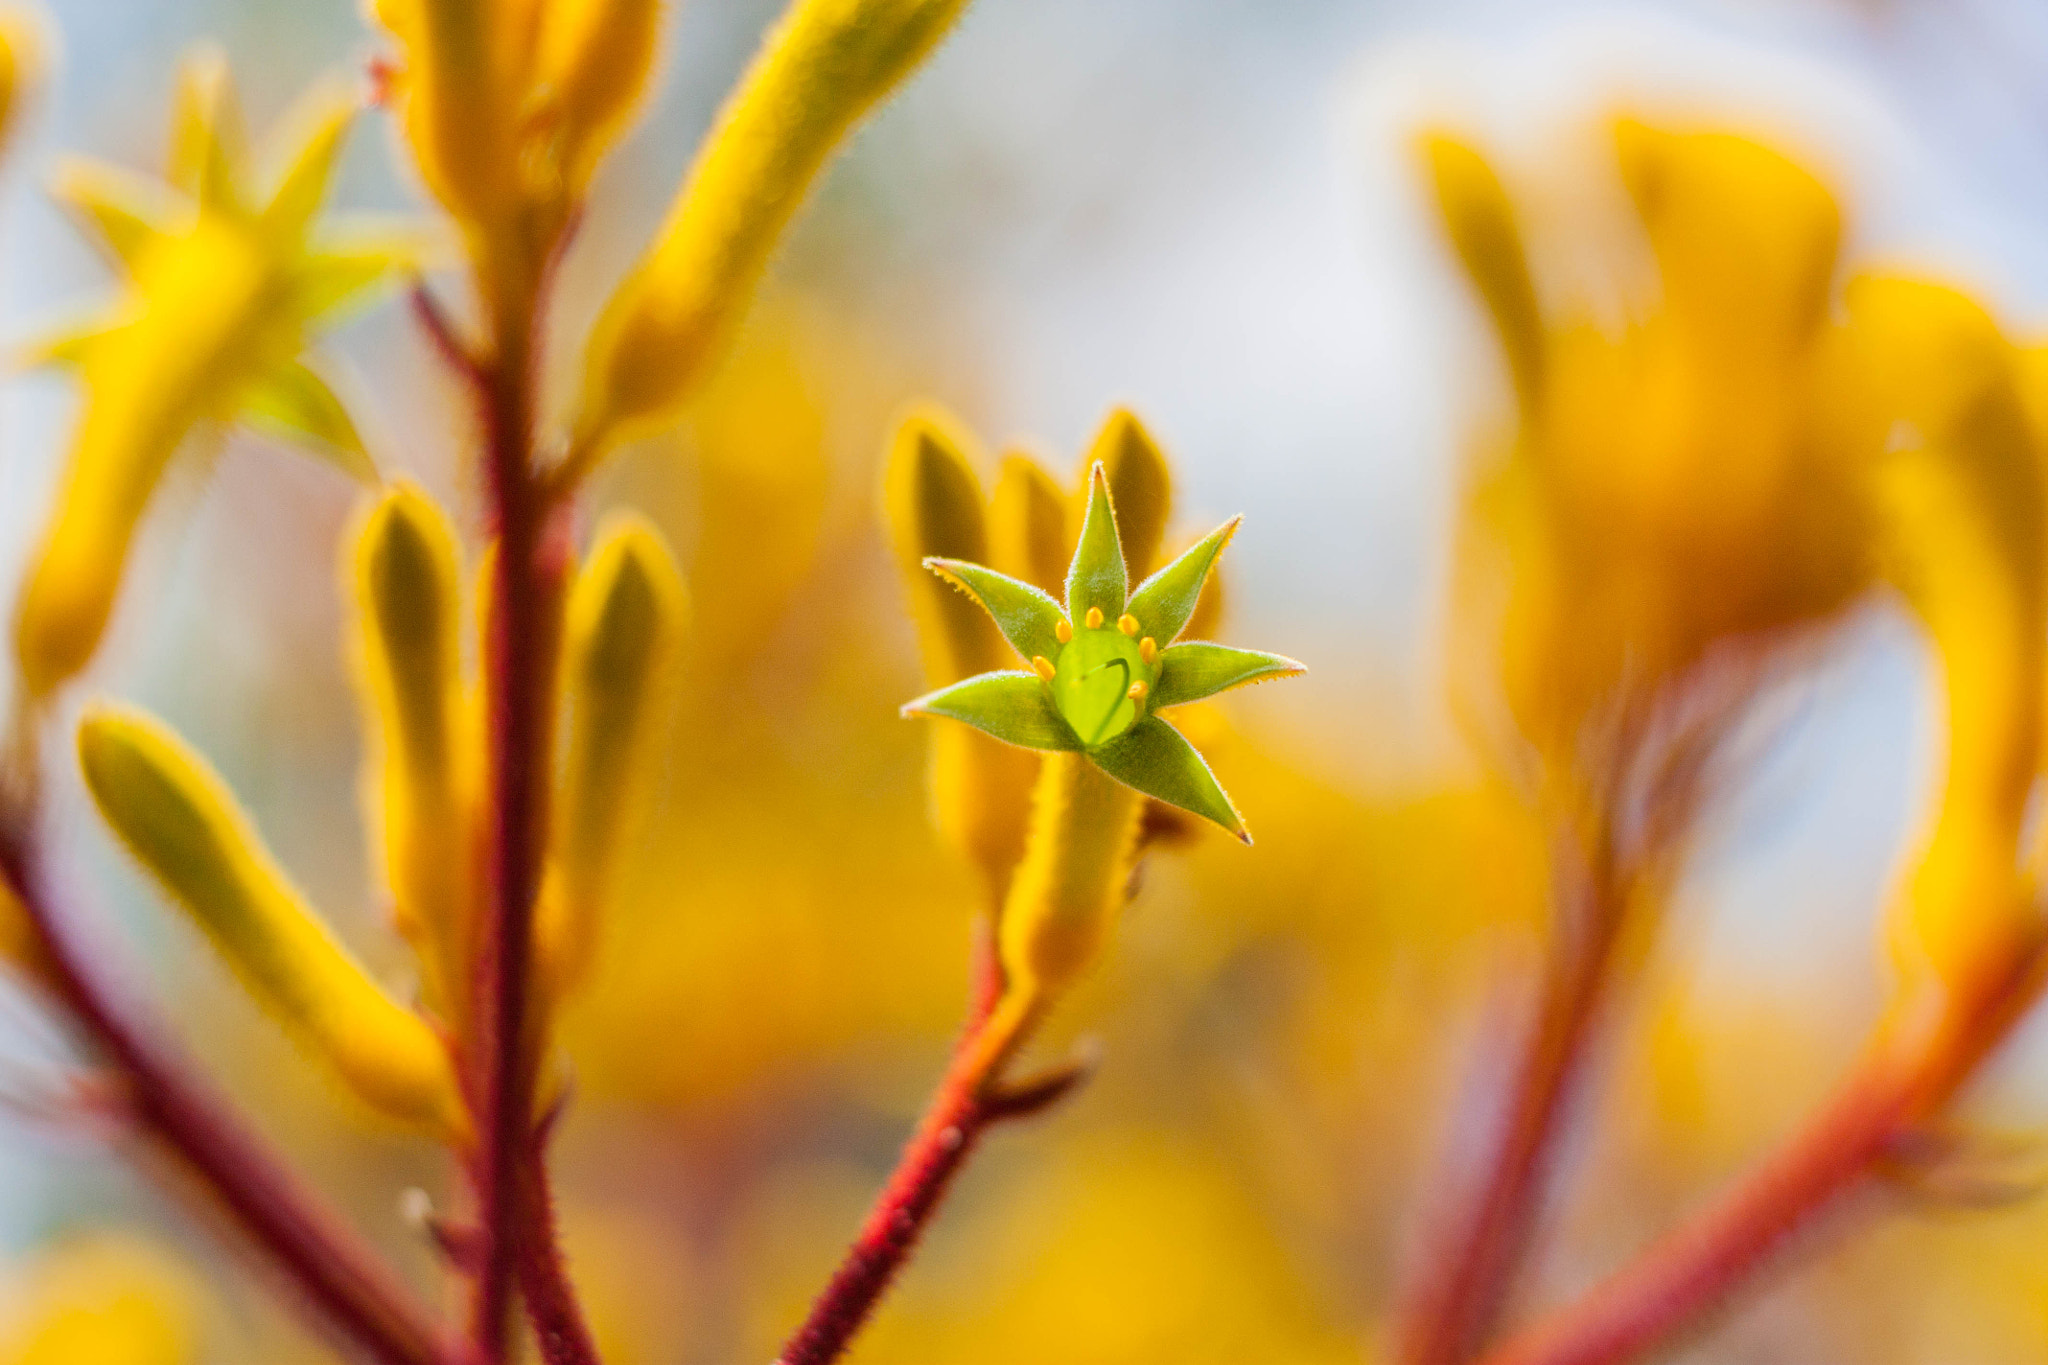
x=1468, y=1273
x=1701, y=1264
x=356, y=1295
x=954, y=1122
x=557, y=1318
x=520, y=662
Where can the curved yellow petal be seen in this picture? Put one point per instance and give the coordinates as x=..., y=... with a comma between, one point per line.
x=625, y=617
x=179, y=820
x=591, y=67
x=1480, y=221
x=824, y=66
x=406, y=576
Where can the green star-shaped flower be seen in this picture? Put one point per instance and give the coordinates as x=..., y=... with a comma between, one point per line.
x=1104, y=667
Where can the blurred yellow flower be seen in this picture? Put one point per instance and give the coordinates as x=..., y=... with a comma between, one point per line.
x=1689, y=478
x=222, y=294
x=100, y=1300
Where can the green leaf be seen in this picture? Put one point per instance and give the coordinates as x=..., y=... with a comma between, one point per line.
x=125, y=213
x=1140, y=487
x=294, y=403
x=1157, y=760
x=1097, y=577
x=1189, y=672
x=1028, y=618
x=1164, y=602
x=1011, y=706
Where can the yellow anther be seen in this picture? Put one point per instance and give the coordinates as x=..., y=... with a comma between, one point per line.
x=1094, y=618
x=1137, y=692
x=1128, y=624
x=1042, y=666
x=1148, y=650
x=1064, y=630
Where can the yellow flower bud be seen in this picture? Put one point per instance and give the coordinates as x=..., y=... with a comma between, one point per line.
x=1965, y=515
x=456, y=115
x=425, y=757
x=179, y=820
x=592, y=66
x=1480, y=221
x=21, y=66
x=1140, y=486
x=1028, y=534
x=825, y=65
x=1066, y=893
x=625, y=617
x=187, y=355
x=932, y=502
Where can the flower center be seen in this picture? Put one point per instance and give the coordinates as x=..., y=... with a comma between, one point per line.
x=1093, y=682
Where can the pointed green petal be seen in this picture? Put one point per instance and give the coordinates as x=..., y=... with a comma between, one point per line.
x=1164, y=602
x=124, y=213
x=1156, y=759
x=208, y=144
x=1140, y=487
x=296, y=404
x=1097, y=577
x=1011, y=706
x=1189, y=672
x=1027, y=617
x=302, y=184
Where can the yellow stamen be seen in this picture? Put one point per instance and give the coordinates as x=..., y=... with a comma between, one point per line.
x=1148, y=650
x=1137, y=692
x=1094, y=618
x=1042, y=666
x=1064, y=630
x=1128, y=624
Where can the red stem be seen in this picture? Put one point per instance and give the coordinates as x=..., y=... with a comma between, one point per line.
x=1468, y=1272
x=339, y=1277
x=954, y=1122
x=520, y=667
x=544, y=1281
x=1699, y=1265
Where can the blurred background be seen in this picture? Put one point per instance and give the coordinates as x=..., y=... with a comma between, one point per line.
x=1209, y=211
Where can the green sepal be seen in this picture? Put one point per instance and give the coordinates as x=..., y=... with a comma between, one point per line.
x=1011, y=706
x=208, y=142
x=342, y=269
x=1164, y=602
x=1194, y=670
x=1097, y=577
x=1157, y=760
x=296, y=404
x=1028, y=618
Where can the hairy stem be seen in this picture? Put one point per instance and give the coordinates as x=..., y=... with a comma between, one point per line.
x=1698, y=1266
x=349, y=1288
x=961, y=1110
x=1468, y=1272
x=519, y=670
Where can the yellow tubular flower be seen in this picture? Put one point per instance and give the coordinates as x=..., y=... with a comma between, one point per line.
x=1140, y=485
x=825, y=65
x=179, y=820
x=625, y=618
x=1967, y=534
x=1480, y=221
x=406, y=576
x=221, y=296
x=592, y=66
x=1691, y=479
x=1028, y=536
x=456, y=109
x=1084, y=838
x=932, y=503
